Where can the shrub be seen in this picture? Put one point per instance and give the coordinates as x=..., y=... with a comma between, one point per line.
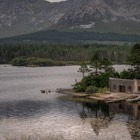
x=22, y=61
x=129, y=74
x=91, y=90
x=103, y=90
x=80, y=87
x=19, y=61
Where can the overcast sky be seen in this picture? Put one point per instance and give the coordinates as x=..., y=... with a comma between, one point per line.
x=55, y=0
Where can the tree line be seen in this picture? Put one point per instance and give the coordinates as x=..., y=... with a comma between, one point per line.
x=58, y=52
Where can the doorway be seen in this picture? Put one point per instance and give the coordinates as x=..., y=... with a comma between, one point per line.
x=122, y=89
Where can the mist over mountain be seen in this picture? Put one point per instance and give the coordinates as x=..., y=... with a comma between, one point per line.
x=26, y=16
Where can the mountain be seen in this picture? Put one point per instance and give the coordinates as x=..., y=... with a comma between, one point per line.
x=26, y=16
x=121, y=16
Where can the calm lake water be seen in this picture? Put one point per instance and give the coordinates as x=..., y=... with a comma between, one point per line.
x=24, y=111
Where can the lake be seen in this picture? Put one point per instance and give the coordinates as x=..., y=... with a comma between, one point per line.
x=25, y=111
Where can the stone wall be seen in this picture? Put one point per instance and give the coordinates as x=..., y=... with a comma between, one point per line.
x=138, y=81
x=124, y=85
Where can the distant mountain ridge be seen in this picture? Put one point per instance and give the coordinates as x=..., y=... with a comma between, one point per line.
x=26, y=16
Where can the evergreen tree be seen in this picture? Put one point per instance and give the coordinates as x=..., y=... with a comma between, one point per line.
x=106, y=65
x=134, y=61
x=96, y=62
x=134, y=57
x=83, y=69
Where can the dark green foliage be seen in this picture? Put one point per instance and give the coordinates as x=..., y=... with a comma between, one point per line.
x=127, y=74
x=96, y=62
x=80, y=86
x=134, y=57
x=91, y=90
x=86, y=82
x=83, y=68
x=21, y=61
x=104, y=78
x=54, y=36
x=99, y=63
x=130, y=74
x=106, y=65
x=91, y=80
x=134, y=61
x=115, y=53
x=99, y=81
x=137, y=75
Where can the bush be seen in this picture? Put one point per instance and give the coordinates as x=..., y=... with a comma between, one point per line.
x=19, y=61
x=104, y=78
x=128, y=74
x=103, y=90
x=91, y=90
x=80, y=87
x=22, y=61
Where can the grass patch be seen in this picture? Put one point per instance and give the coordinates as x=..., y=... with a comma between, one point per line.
x=97, y=94
x=103, y=90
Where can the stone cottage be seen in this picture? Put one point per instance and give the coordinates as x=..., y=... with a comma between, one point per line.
x=124, y=85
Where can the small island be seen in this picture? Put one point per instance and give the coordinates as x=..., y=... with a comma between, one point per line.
x=36, y=62
x=102, y=81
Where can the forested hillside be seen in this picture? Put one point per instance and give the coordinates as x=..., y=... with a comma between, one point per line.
x=115, y=53
x=55, y=36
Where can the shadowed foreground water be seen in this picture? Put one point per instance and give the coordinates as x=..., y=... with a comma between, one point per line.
x=24, y=111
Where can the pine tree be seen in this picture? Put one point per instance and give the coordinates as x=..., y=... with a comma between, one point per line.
x=83, y=69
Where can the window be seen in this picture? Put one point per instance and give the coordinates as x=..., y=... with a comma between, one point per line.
x=129, y=88
x=114, y=87
x=139, y=88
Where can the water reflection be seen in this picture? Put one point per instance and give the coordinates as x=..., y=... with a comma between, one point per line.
x=132, y=110
x=120, y=110
x=102, y=115
x=99, y=123
x=95, y=109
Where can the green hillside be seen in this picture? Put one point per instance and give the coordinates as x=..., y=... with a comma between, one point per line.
x=55, y=36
